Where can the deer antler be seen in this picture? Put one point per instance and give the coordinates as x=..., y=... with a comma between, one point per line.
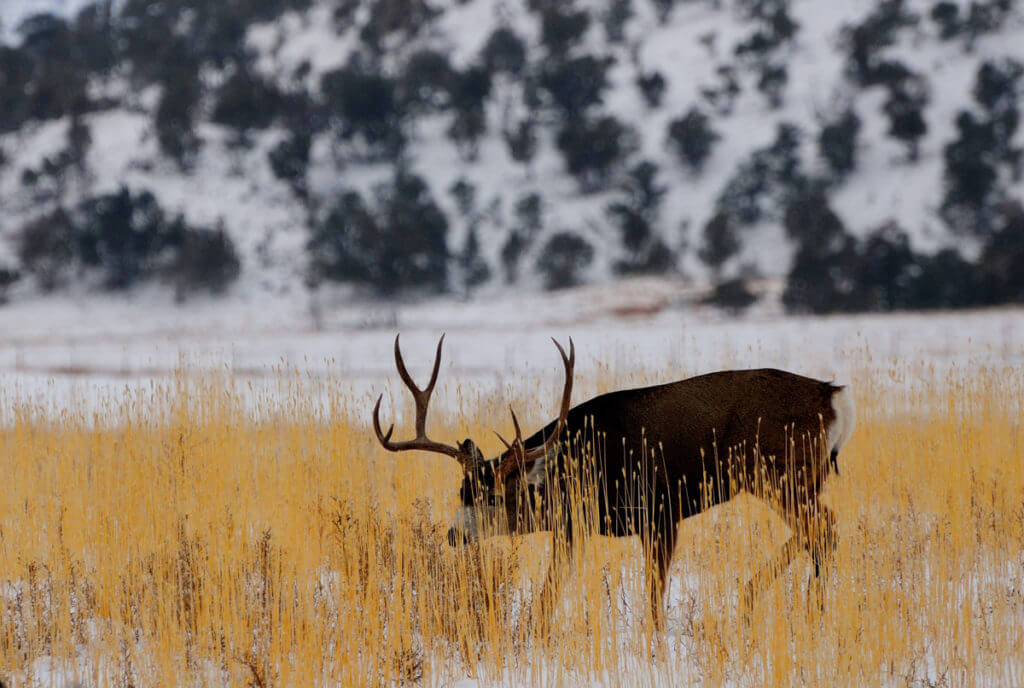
x=516, y=447
x=517, y=454
x=422, y=399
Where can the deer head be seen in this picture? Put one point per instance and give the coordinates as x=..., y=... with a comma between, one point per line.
x=496, y=495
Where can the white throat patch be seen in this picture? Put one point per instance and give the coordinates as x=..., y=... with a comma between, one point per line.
x=538, y=473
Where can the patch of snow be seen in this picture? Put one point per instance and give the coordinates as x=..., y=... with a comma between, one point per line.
x=92, y=350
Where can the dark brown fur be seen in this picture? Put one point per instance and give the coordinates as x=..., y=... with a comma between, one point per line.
x=650, y=457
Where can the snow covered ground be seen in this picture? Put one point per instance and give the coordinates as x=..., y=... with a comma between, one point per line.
x=96, y=351
x=53, y=352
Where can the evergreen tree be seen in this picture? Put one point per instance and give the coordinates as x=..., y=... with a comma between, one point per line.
x=561, y=28
x=837, y=143
x=246, y=101
x=971, y=176
x=529, y=224
x=636, y=213
x=615, y=17
x=692, y=138
x=577, y=85
x=45, y=248
x=364, y=103
x=997, y=90
x=905, y=109
x=772, y=83
x=416, y=232
x=398, y=245
x=864, y=42
x=810, y=221
x=176, y=113
x=720, y=242
x=947, y=16
x=206, y=262
x=522, y=141
x=79, y=139
x=1002, y=257
x=504, y=52
x=594, y=149
x=664, y=8
x=764, y=184
x=732, y=295
x=426, y=83
x=289, y=161
x=563, y=260
x=347, y=243
x=475, y=270
x=652, y=86
x=470, y=90
x=973, y=160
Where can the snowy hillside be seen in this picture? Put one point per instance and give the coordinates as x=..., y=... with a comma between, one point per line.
x=767, y=75
x=13, y=11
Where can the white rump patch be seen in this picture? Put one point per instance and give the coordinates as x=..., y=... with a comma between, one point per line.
x=475, y=522
x=841, y=429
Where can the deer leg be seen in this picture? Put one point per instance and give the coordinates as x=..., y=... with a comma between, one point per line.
x=658, y=554
x=814, y=524
x=821, y=537
x=767, y=574
x=813, y=531
x=821, y=545
x=563, y=552
x=562, y=556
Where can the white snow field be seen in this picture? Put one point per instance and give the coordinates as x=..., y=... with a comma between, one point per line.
x=54, y=351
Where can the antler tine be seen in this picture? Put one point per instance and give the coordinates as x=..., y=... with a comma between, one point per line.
x=404, y=373
x=569, y=360
x=422, y=399
x=384, y=438
x=437, y=365
x=515, y=452
x=421, y=396
x=515, y=424
x=524, y=456
x=563, y=413
x=570, y=365
x=503, y=440
x=400, y=364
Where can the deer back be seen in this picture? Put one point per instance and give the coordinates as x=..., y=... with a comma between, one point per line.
x=680, y=447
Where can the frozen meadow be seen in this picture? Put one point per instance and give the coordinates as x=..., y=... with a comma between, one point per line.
x=87, y=364
x=52, y=350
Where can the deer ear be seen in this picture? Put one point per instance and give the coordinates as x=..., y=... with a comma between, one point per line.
x=469, y=448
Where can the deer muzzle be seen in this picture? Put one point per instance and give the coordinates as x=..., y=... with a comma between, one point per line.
x=476, y=522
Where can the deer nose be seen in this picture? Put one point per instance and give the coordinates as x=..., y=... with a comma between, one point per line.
x=456, y=537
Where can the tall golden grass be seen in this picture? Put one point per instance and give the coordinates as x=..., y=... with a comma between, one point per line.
x=186, y=538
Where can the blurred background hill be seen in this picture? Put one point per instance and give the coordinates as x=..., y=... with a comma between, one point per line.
x=814, y=157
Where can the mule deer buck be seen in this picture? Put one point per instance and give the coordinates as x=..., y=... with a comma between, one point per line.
x=644, y=459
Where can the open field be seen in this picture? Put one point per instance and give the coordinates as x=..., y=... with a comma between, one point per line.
x=195, y=497
x=175, y=537
x=87, y=353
